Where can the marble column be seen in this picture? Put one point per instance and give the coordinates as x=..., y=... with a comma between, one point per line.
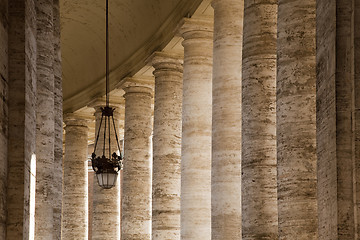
x=22, y=112
x=226, y=120
x=136, y=197
x=4, y=97
x=259, y=180
x=167, y=146
x=296, y=119
x=44, y=222
x=75, y=196
x=335, y=119
x=58, y=113
x=106, y=209
x=196, y=129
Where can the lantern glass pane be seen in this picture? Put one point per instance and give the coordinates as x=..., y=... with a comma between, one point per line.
x=107, y=180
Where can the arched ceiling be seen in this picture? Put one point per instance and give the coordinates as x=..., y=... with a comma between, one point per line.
x=137, y=29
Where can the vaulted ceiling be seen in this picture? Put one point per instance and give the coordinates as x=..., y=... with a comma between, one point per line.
x=137, y=29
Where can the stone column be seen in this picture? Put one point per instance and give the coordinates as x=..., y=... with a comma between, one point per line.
x=106, y=209
x=196, y=129
x=58, y=147
x=259, y=180
x=136, y=198
x=167, y=146
x=75, y=196
x=4, y=97
x=296, y=119
x=44, y=222
x=335, y=119
x=91, y=179
x=357, y=112
x=226, y=120
x=22, y=112
x=121, y=110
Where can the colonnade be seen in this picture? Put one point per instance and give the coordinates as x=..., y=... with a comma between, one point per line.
x=254, y=134
x=255, y=122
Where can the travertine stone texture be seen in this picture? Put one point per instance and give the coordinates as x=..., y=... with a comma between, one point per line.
x=22, y=112
x=121, y=111
x=357, y=112
x=91, y=179
x=58, y=144
x=335, y=114
x=196, y=129
x=259, y=181
x=44, y=221
x=167, y=146
x=226, y=120
x=136, y=192
x=106, y=208
x=296, y=119
x=3, y=112
x=75, y=196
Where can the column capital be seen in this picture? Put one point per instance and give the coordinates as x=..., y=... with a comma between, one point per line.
x=164, y=62
x=74, y=119
x=138, y=85
x=190, y=28
x=167, y=60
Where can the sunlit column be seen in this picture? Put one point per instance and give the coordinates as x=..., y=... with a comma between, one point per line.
x=75, y=195
x=226, y=120
x=196, y=129
x=136, y=193
x=167, y=146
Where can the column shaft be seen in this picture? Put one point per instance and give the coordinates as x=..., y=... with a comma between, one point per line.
x=196, y=130
x=226, y=120
x=91, y=185
x=357, y=114
x=167, y=147
x=335, y=114
x=106, y=209
x=4, y=97
x=75, y=196
x=296, y=119
x=58, y=144
x=44, y=222
x=22, y=112
x=259, y=180
x=136, y=194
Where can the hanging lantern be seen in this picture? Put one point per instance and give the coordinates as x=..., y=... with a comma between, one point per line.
x=107, y=165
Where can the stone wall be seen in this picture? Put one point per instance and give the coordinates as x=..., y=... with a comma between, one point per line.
x=3, y=111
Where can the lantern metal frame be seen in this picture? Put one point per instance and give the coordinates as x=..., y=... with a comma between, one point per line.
x=109, y=164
